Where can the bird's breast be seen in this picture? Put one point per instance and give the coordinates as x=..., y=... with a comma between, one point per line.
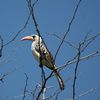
x=35, y=53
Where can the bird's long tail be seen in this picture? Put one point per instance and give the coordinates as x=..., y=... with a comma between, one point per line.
x=60, y=80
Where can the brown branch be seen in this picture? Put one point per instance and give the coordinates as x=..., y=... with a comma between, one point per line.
x=67, y=42
x=57, y=91
x=69, y=27
x=43, y=83
x=38, y=31
x=87, y=92
x=84, y=45
x=80, y=50
x=25, y=88
x=41, y=91
x=88, y=41
x=34, y=92
x=16, y=35
x=44, y=80
x=89, y=56
x=90, y=38
x=95, y=54
x=1, y=46
x=30, y=6
x=31, y=9
x=55, y=94
x=35, y=2
x=3, y=76
x=75, y=73
x=28, y=93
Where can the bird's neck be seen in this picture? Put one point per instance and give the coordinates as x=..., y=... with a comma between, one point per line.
x=33, y=45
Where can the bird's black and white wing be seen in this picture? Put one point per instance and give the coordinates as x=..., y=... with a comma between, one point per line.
x=45, y=55
x=41, y=48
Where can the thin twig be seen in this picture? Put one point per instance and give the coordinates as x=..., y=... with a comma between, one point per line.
x=33, y=16
x=75, y=73
x=68, y=29
x=89, y=56
x=88, y=41
x=25, y=88
x=34, y=92
x=90, y=38
x=87, y=92
x=84, y=45
x=41, y=91
x=67, y=42
x=1, y=46
x=44, y=80
x=35, y=2
x=16, y=35
x=31, y=9
x=55, y=94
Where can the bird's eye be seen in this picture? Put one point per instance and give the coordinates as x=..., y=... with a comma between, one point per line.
x=33, y=37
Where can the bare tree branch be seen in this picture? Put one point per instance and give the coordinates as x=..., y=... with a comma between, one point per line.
x=88, y=41
x=34, y=92
x=3, y=76
x=57, y=91
x=35, y=2
x=75, y=73
x=33, y=15
x=69, y=27
x=67, y=42
x=54, y=95
x=43, y=84
x=89, y=56
x=31, y=9
x=25, y=88
x=76, y=59
x=72, y=61
x=95, y=54
x=84, y=45
x=1, y=46
x=44, y=79
x=80, y=50
x=16, y=35
x=87, y=92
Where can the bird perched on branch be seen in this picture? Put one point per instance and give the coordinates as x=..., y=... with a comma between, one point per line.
x=43, y=56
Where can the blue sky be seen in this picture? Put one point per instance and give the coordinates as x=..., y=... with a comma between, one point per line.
x=53, y=17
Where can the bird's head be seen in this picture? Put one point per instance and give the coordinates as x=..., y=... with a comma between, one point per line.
x=32, y=38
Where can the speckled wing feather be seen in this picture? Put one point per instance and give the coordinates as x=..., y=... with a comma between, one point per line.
x=46, y=56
